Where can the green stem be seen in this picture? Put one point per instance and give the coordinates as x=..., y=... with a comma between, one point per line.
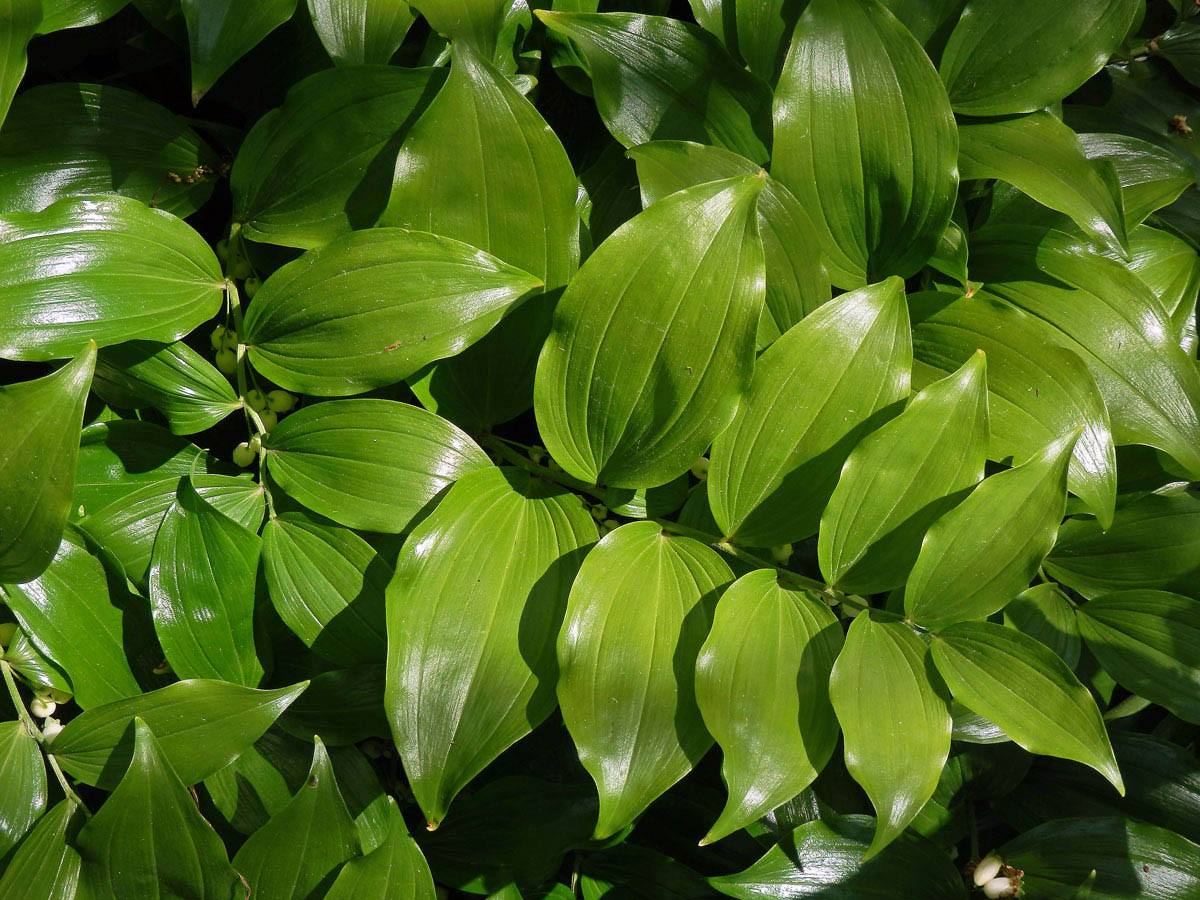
x=509, y=455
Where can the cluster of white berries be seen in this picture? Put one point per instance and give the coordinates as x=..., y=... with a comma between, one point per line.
x=996, y=879
x=269, y=407
x=224, y=341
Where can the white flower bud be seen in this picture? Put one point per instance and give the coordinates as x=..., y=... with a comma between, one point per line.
x=256, y=400
x=269, y=419
x=42, y=708
x=227, y=361
x=988, y=868
x=50, y=728
x=998, y=887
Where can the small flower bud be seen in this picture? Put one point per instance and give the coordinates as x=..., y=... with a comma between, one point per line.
x=269, y=419
x=256, y=399
x=227, y=361
x=988, y=868
x=700, y=468
x=243, y=455
x=999, y=887
x=42, y=708
x=251, y=285
x=7, y=630
x=782, y=553
x=281, y=401
x=50, y=728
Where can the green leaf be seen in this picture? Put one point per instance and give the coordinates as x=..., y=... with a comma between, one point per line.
x=632, y=872
x=1169, y=266
x=895, y=720
x=1151, y=177
x=656, y=78
x=472, y=623
x=1149, y=641
x=327, y=584
x=20, y=20
x=321, y=164
x=772, y=719
x=826, y=859
x=63, y=140
x=358, y=32
x=1018, y=683
x=1044, y=612
x=1025, y=55
x=395, y=870
x=344, y=706
x=901, y=478
x=925, y=18
x=757, y=31
x=466, y=22
x=372, y=308
x=299, y=851
x=986, y=550
x=1036, y=391
x=815, y=393
x=31, y=664
x=1041, y=157
x=37, y=464
x=121, y=271
x=372, y=464
x=1154, y=542
x=201, y=727
x=45, y=865
x=638, y=613
x=149, y=840
x=653, y=340
x=1111, y=319
x=1180, y=46
x=220, y=32
x=865, y=139
x=174, y=379
x=22, y=783
x=60, y=14
x=202, y=577
x=80, y=619
x=796, y=280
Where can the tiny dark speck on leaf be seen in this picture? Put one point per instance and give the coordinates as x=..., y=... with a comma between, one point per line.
x=312, y=782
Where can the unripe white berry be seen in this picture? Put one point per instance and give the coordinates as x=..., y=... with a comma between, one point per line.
x=998, y=887
x=242, y=454
x=42, y=708
x=269, y=419
x=256, y=399
x=700, y=468
x=7, y=630
x=988, y=868
x=782, y=553
x=242, y=269
x=251, y=285
x=50, y=728
x=227, y=361
x=256, y=442
x=218, y=337
x=281, y=401
x=223, y=249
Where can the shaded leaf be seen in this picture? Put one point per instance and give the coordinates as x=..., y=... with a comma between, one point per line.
x=395, y=870
x=1045, y=613
x=220, y=32
x=1150, y=176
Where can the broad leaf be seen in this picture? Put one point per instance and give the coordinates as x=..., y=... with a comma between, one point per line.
x=638, y=613
x=653, y=340
x=473, y=22
x=757, y=31
x=18, y=24
x=1150, y=176
x=772, y=720
x=926, y=19
x=472, y=624
x=395, y=870
x=815, y=393
x=1044, y=612
x=865, y=139
x=45, y=865
x=357, y=32
x=220, y=32
x=1180, y=46
x=22, y=783
x=1170, y=267
x=60, y=14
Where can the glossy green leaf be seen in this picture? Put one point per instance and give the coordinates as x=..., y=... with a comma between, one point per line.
x=63, y=140
x=1036, y=391
x=757, y=31
x=395, y=870
x=653, y=340
x=981, y=554
x=1149, y=641
x=865, y=139
x=220, y=32
x=1018, y=683
x=37, y=464
x=122, y=271
x=1021, y=56
x=202, y=577
x=795, y=278
x=327, y=584
x=79, y=619
x=815, y=393
x=952, y=254
x=925, y=18
x=19, y=23
x=174, y=379
x=762, y=688
x=1150, y=176
x=895, y=720
x=901, y=478
x=656, y=78
x=1180, y=46
x=321, y=164
x=372, y=464
x=45, y=865
x=357, y=32
x=149, y=840
x=32, y=665
x=1044, y=612
x=201, y=726
x=22, y=783
x=472, y=624
x=638, y=613
x=60, y=14
x=343, y=706
x=1042, y=157
x=372, y=308
x=1169, y=266
x=297, y=854
x=473, y=22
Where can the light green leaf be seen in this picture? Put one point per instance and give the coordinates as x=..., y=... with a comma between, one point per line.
x=815, y=393
x=298, y=852
x=22, y=783
x=1169, y=266
x=372, y=308
x=201, y=727
x=1024, y=55
x=1044, y=612
x=1151, y=177
x=772, y=718
x=472, y=623
x=981, y=554
x=37, y=464
x=220, y=32
x=395, y=870
x=321, y=164
x=638, y=613
x=357, y=32
x=202, y=577
x=19, y=20
x=61, y=14
x=122, y=271
x=796, y=280
x=895, y=720
x=865, y=139
x=149, y=840
x=372, y=464
x=656, y=78
x=653, y=341
x=1149, y=641
x=901, y=478
x=45, y=865
x=757, y=31
x=1018, y=683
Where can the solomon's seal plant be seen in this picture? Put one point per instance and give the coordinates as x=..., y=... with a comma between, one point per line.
x=634, y=450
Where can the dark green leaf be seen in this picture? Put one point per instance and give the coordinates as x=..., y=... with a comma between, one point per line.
x=1180, y=46
x=395, y=870
x=472, y=22
x=60, y=14
x=1045, y=613
x=20, y=23
x=344, y=706
x=45, y=866
x=220, y=32
x=22, y=783
x=355, y=32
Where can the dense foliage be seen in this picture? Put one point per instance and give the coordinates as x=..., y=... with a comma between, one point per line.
x=748, y=449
